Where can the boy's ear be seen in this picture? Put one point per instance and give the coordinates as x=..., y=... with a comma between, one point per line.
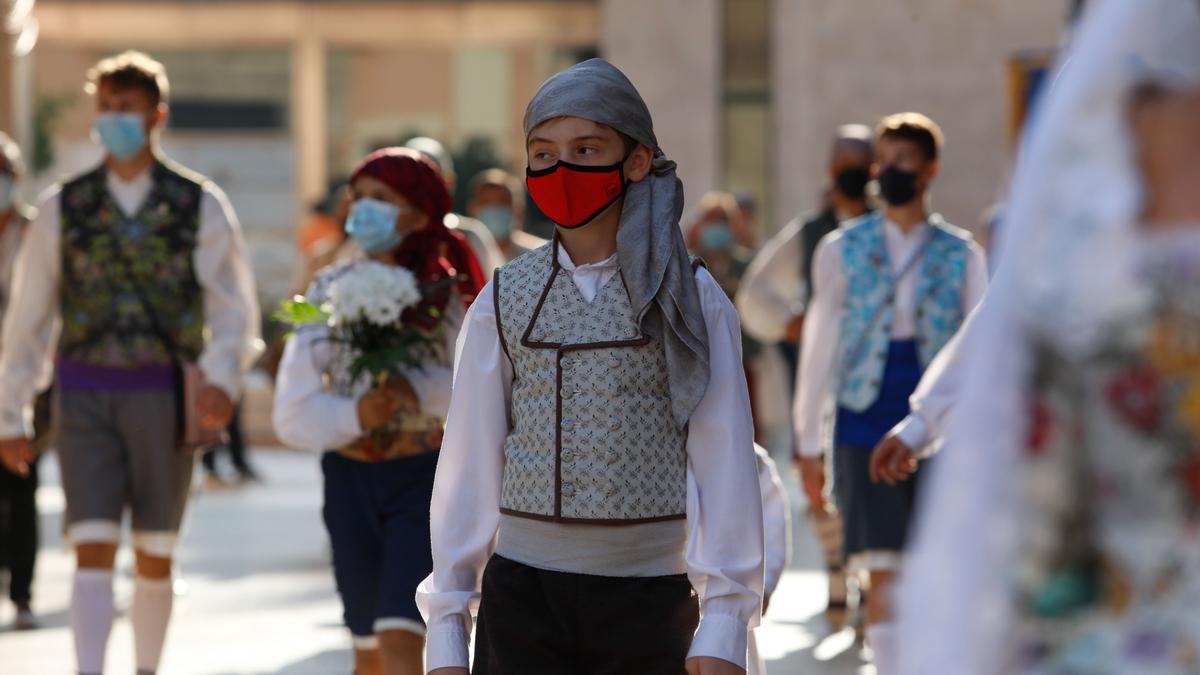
x=637, y=166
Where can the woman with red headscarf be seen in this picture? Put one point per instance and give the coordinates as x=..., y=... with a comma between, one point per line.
x=377, y=499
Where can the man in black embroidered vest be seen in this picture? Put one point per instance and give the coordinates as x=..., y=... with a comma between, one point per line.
x=136, y=266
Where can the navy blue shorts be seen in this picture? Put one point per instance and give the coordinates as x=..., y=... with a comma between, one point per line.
x=377, y=515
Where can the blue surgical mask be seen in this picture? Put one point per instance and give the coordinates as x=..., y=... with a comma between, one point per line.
x=122, y=134
x=499, y=220
x=8, y=192
x=716, y=237
x=372, y=223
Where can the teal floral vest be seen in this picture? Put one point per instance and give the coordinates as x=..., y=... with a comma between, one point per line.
x=104, y=322
x=864, y=346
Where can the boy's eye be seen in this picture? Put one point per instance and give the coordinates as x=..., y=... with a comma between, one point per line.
x=587, y=150
x=541, y=154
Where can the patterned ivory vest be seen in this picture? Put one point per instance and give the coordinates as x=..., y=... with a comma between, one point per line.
x=593, y=439
x=864, y=346
x=103, y=320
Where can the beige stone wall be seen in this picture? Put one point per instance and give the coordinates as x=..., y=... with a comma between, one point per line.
x=856, y=60
x=670, y=49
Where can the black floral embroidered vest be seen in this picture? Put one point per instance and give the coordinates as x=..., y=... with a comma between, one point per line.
x=105, y=253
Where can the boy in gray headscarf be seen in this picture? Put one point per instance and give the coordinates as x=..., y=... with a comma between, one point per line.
x=598, y=464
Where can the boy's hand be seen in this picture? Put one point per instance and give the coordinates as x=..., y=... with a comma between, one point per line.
x=376, y=408
x=711, y=665
x=892, y=461
x=16, y=454
x=812, y=479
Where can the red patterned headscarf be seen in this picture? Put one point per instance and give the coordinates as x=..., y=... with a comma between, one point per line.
x=434, y=253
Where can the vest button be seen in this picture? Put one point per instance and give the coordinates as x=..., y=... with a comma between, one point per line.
x=614, y=363
x=567, y=454
x=568, y=488
x=566, y=393
x=568, y=424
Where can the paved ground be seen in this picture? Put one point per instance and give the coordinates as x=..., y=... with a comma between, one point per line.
x=257, y=597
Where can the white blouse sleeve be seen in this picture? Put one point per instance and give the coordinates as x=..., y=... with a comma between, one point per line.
x=231, y=312
x=465, y=512
x=772, y=291
x=819, y=348
x=725, y=543
x=31, y=321
x=936, y=395
x=306, y=414
x=960, y=560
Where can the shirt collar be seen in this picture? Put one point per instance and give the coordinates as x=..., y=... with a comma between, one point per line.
x=894, y=230
x=565, y=262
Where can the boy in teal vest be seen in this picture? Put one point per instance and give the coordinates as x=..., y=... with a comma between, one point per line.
x=891, y=288
x=135, y=265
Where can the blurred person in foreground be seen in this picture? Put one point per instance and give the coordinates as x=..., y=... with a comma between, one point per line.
x=1058, y=533
x=891, y=289
x=377, y=499
x=498, y=201
x=138, y=266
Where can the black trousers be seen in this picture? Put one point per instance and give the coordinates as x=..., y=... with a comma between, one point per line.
x=536, y=622
x=18, y=530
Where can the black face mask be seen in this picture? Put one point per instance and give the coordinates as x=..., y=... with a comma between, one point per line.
x=897, y=186
x=852, y=182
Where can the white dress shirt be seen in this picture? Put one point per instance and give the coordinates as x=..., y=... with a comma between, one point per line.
x=815, y=379
x=725, y=545
x=32, y=320
x=772, y=292
x=307, y=415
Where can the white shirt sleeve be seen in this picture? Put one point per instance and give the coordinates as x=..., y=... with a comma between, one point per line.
x=772, y=293
x=819, y=347
x=725, y=542
x=777, y=519
x=31, y=321
x=465, y=511
x=956, y=579
x=231, y=311
x=306, y=414
x=935, y=396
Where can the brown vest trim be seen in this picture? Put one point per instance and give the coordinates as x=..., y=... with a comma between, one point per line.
x=526, y=341
x=496, y=309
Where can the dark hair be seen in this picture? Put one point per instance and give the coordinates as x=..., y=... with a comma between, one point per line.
x=130, y=70
x=915, y=127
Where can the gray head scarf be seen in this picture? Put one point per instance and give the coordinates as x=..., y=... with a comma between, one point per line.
x=650, y=248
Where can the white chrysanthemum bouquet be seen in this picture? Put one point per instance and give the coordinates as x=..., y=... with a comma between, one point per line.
x=365, y=310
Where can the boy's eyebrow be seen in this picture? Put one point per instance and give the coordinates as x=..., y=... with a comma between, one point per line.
x=576, y=139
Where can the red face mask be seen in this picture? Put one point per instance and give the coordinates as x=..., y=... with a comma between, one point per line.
x=572, y=195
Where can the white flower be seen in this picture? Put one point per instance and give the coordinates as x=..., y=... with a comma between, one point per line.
x=374, y=292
